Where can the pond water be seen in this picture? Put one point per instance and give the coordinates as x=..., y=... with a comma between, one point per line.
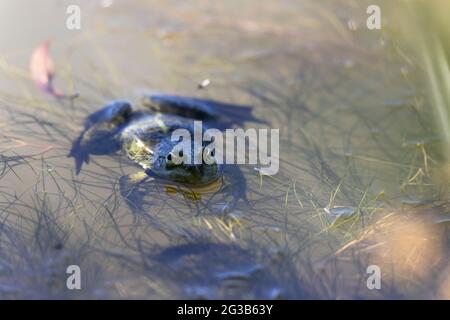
x=362, y=178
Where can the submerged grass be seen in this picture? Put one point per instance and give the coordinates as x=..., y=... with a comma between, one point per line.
x=342, y=145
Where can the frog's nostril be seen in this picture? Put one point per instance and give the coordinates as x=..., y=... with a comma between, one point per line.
x=195, y=169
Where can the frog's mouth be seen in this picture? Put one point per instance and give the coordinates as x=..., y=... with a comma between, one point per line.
x=198, y=175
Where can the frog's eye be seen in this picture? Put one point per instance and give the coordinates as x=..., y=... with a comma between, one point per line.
x=208, y=156
x=174, y=158
x=169, y=158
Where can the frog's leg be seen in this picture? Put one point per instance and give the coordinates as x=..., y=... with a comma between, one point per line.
x=200, y=109
x=100, y=133
x=238, y=184
x=129, y=189
x=235, y=189
x=114, y=112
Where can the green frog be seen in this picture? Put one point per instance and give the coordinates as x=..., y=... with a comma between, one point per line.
x=144, y=136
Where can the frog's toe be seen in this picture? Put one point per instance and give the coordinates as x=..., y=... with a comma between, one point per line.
x=230, y=205
x=237, y=185
x=79, y=153
x=100, y=133
x=129, y=189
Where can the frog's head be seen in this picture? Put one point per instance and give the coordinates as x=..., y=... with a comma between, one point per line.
x=169, y=164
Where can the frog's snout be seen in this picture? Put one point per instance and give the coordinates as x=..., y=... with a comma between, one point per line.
x=197, y=174
x=199, y=170
x=196, y=169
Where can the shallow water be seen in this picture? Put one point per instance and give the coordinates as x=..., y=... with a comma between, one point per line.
x=356, y=150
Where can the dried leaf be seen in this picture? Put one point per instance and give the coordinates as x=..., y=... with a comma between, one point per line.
x=42, y=70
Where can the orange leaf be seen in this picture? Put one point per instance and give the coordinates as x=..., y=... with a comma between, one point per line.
x=42, y=69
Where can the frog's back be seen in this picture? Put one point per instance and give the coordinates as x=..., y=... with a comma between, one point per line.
x=141, y=133
x=145, y=135
x=148, y=127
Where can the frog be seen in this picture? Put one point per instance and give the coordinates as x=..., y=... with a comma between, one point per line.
x=144, y=134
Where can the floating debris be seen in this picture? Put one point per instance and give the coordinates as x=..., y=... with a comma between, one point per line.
x=341, y=211
x=204, y=84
